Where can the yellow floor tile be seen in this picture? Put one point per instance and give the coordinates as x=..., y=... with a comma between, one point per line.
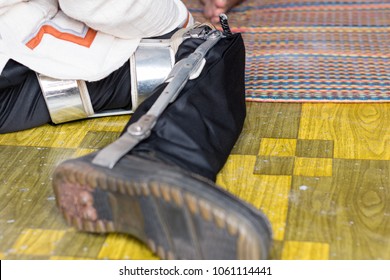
x=294, y=250
x=37, y=242
x=46, y=136
x=68, y=258
x=277, y=147
x=118, y=247
x=317, y=121
x=266, y=165
x=314, y=148
x=83, y=152
x=313, y=167
x=265, y=192
x=59, y=136
x=359, y=131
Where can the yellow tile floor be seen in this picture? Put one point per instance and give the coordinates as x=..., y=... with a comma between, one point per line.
x=320, y=172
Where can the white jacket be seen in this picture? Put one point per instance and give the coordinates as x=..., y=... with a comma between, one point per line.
x=81, y=39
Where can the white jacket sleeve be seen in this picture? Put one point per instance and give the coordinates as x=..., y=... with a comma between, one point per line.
x=128, y=19
x=47, y=6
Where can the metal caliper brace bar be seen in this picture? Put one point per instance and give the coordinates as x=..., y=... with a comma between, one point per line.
x=177, y=79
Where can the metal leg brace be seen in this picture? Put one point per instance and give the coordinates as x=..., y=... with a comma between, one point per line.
x=182, y=71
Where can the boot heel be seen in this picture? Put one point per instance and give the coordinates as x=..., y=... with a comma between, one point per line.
x=77, y=198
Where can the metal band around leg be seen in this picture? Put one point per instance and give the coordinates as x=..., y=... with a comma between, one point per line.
x=152, y=62
x=149, y=66
x=66, y=100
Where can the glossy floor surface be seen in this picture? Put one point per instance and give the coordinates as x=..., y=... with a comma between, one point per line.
x=320, y=172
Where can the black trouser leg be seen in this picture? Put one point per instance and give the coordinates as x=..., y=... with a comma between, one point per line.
x=22, y=105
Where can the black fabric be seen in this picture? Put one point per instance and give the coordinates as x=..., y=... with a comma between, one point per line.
x=13, y=73
x=22, y=105
x=198, y=131
x=113, y=92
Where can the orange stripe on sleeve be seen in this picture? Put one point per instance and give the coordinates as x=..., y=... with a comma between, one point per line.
x=50, y=30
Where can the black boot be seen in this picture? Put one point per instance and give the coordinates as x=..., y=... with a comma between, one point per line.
x=163, y=192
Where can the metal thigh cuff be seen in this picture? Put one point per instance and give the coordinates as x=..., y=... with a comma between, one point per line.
x=149, y=66
x=66, y=100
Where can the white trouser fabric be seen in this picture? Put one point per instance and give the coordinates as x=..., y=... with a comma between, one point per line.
x=86, y=40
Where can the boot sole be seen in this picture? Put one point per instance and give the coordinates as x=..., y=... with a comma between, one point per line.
x=178, y=215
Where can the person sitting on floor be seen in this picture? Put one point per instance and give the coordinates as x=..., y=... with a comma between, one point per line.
x=157, y=181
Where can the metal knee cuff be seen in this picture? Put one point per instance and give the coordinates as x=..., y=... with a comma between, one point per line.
x=68, y=100
x=149, y=66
